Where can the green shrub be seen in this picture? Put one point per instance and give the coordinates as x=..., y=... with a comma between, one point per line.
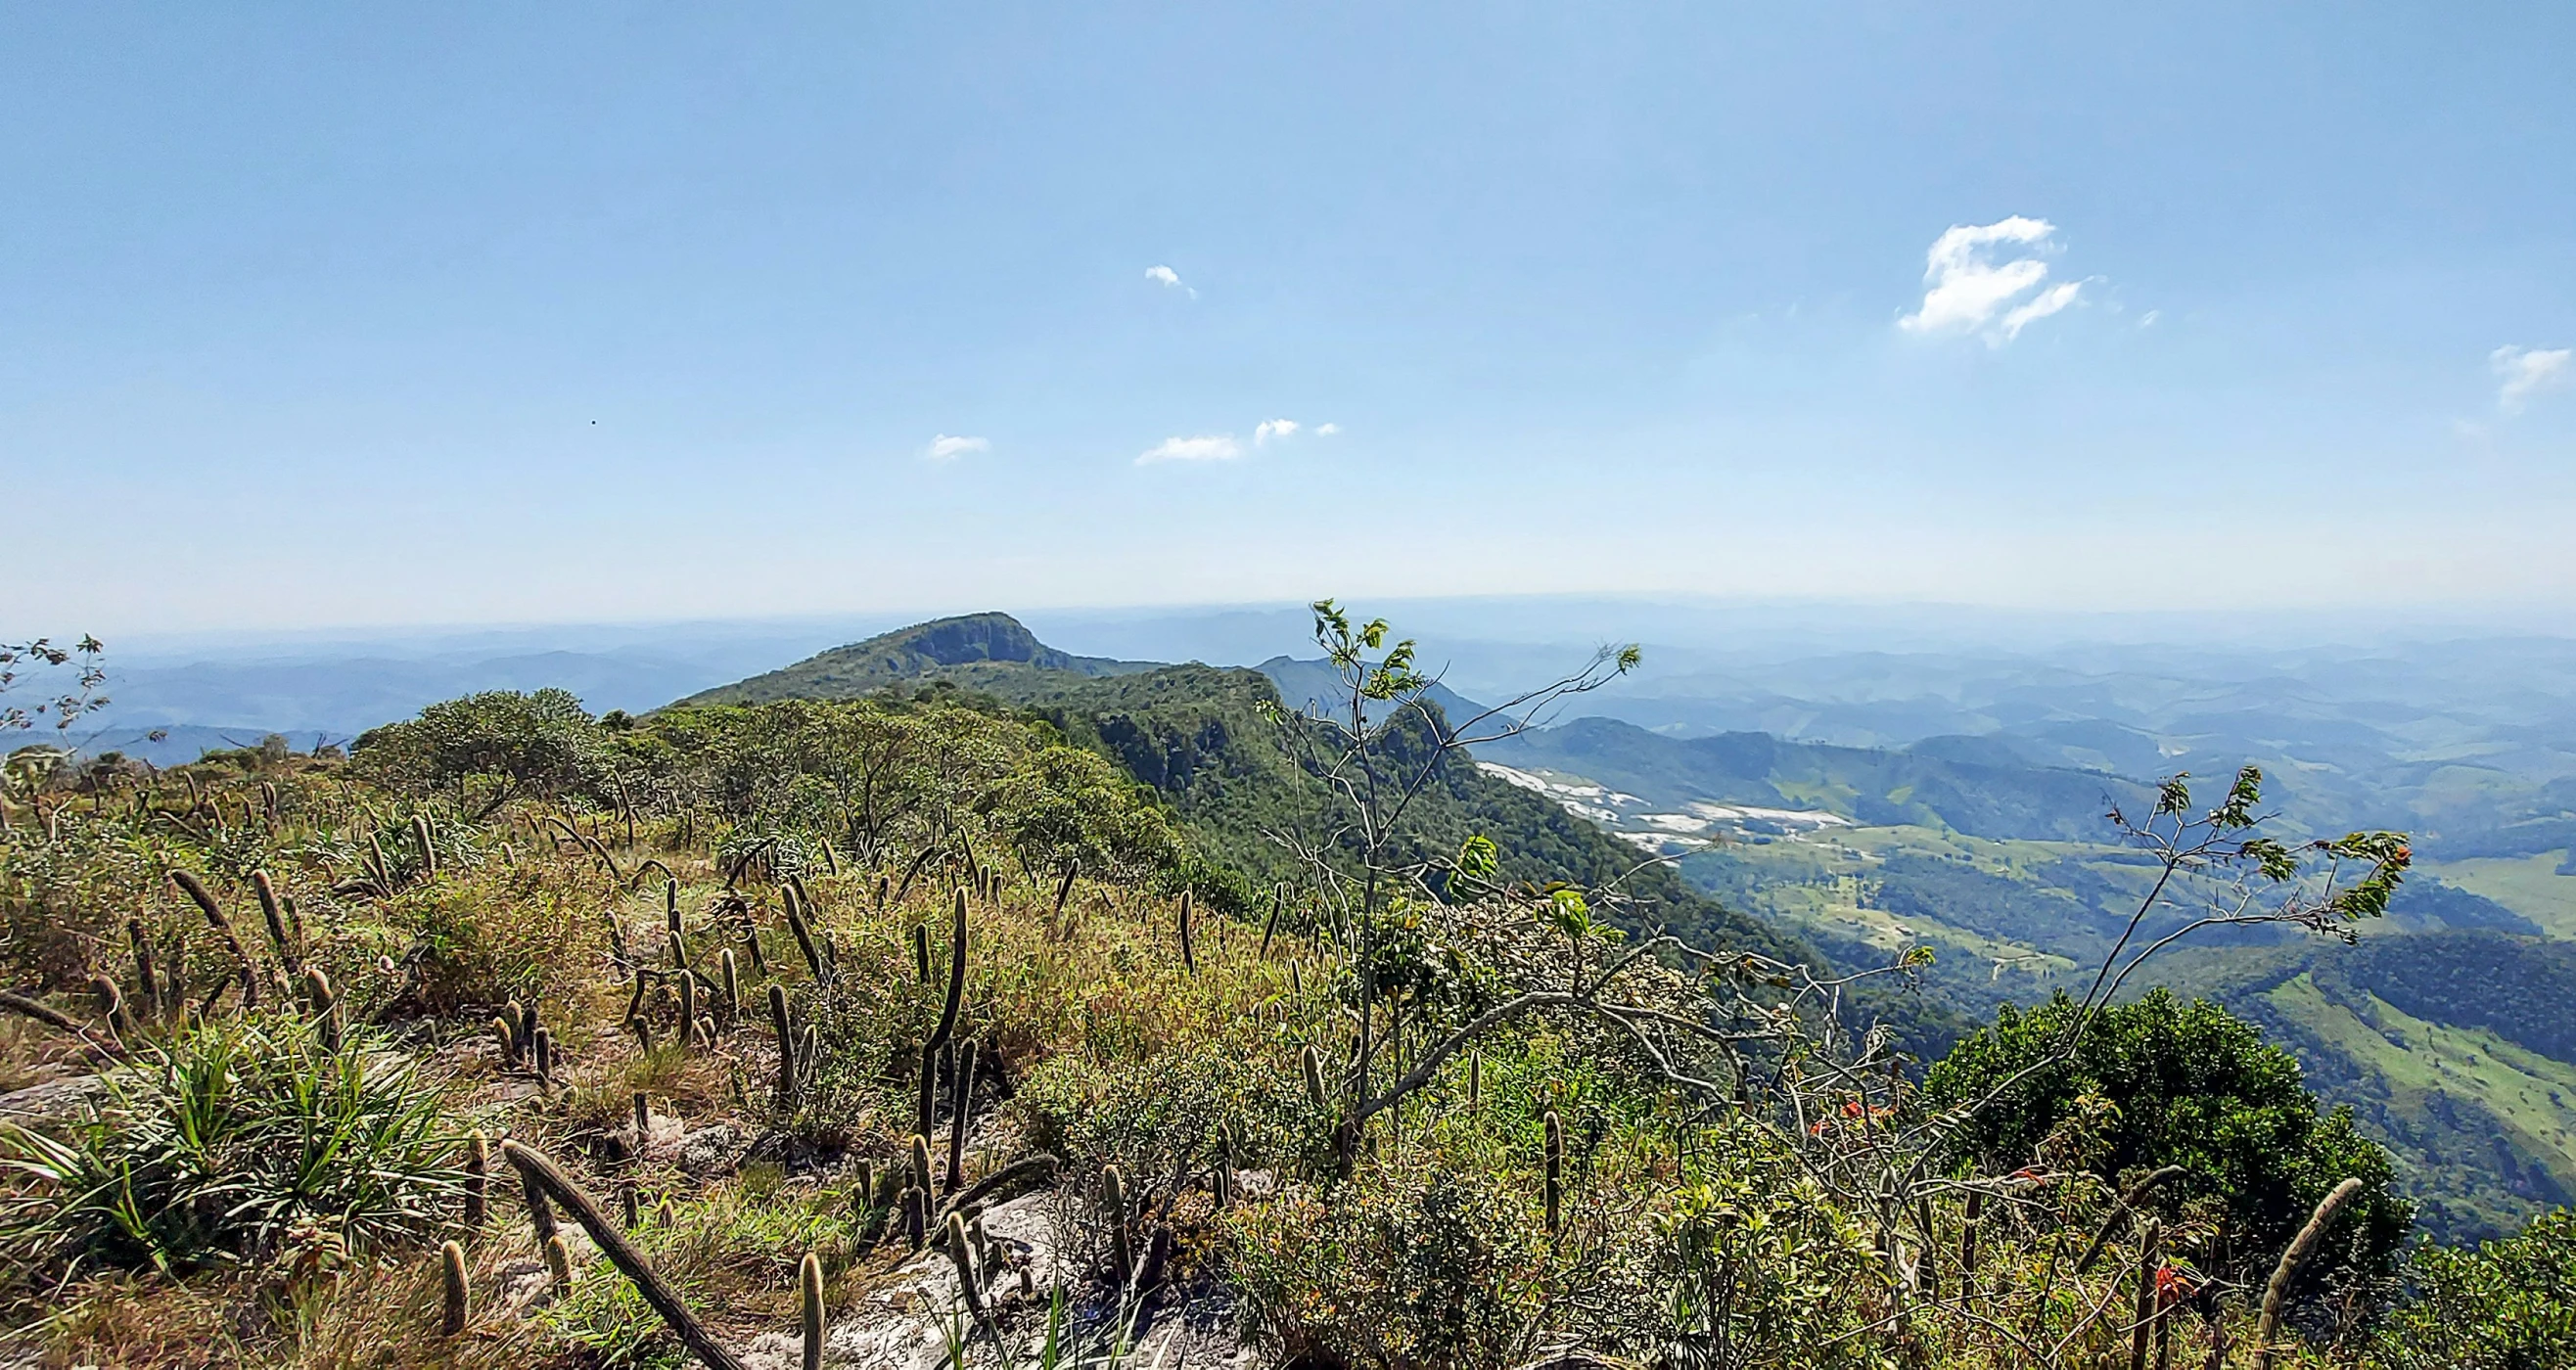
x=240, y=1141
x=1432, y=1267
x=1155, y=1119
x=2509, y=1305
x=485, y=750
x=2192, y=1086
x=476, y=942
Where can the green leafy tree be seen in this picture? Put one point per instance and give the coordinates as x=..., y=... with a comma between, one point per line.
x=2192, y=1086
x=2508, y=1305
x=502, y=744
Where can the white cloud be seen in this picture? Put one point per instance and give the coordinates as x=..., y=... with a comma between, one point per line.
x=2045, y=303
x=1170, y=279
x=1972, y=276
x=946, y=448
x=2150, y=320
x=1273, y=428
x=1212, y=447
x=2530, y=371
x=1327, y=430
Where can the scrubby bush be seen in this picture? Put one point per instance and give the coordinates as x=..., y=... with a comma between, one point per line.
x=531, y=936
x=2189, y=1085
x=1425, y=1266
x=2508, y=1305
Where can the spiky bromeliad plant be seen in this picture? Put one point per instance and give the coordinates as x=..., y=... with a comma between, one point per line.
x=236, y=1142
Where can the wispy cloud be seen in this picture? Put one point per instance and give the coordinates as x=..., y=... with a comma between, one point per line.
x=946, y=448
x=1273, y=428
x=1327, y=430
x=1168, y=278
x=2530, y=371
x=1987, y=279
x=1210, y=447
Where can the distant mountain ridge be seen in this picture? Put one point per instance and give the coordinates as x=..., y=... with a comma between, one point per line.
x=991, y=652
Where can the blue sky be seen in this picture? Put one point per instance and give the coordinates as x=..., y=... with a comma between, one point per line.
x=330, y=315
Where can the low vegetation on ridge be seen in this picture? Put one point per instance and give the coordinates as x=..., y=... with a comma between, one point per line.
x=519, y=1037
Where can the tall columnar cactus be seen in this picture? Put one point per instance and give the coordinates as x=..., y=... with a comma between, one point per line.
x=732, y=987
x=559, y=1261
x=1555, y=1128
x=961, y=1098
x=420, y=836
x=1475, y=1080
x=275, y=916
x=1113, y=1203
x=1224, y=1171
x=1064, y=888
x=541, y=1213
x=1968, y=1222
x=541, y=1173
x=961, y=1253
x=325, y=1004
x=804, y=932
x=920, y=1158
x=478, y=1180
x=643, y=1120
x=147, y=985
x=921, y=952
x=196, y=891
x=1278, y=896
x=671, y=905
x=926, y=1109
x=786, y=1030
x=545, y=1056
x=2150, y=1247
x=1314, y=1067
x=2277, y=1293
x=916, y=1217
x=688, y=1007
x=1189, y=955
x=111, y=1006
x=451, y=1268
x=956, y=974
x=809, y=1302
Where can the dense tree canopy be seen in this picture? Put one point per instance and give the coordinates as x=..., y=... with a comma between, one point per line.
x=2189, y=1085
x=490, y=748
